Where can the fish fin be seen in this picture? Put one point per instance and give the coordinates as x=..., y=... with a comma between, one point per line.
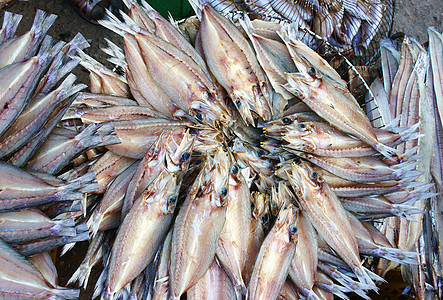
x=66, y=227
x=117, y=56
x=387, y=151
x=100, y=284
x=66, y=293
x=364, y=278
x=81, y=236
x=41, y=25
x=10, y=25
x=105, y=132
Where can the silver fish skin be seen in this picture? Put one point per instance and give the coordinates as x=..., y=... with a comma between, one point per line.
x=304, y=264
x=24, y=46
x=321, y=205
x=363, y=169
x=21, y=157
x=234, y=238
x=92, y=100
x=107, y=214
x=215, y=284
x=58, y=150
x=107, y=167
x=322, y=139
x=15, y=98
x=371, y=207
x=168, y=32
x=160, y=288
x=43, y=262
x=142, y=232
x=183, y=80
x=169, y=152
x=34, y=247
x=20, y=189
x=229, y=56
x=62, y=64
x=32, y=224
x=110, y=113
x=136, y=136
x=9, y=26
x=198, y=225
x=274, y=259
x=101, y=79
x=93, y=257
x=20, y=279
x=35, y=115
x=259, y=226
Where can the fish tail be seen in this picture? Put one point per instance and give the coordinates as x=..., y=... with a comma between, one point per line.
x=364, y=278
x=75, y=188
x=65, y=227
x=81, y=275
x=117, y=56
x=41, y=25
x=66, y=293
x=396, y=255
x=387, y=151
x=10, y=25
x=82, y=235
x=100, y=284
x=105, y=132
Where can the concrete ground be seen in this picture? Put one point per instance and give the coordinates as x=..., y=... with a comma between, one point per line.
x=410, y=17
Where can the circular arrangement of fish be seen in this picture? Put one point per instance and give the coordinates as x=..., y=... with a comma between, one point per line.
x=215, y=162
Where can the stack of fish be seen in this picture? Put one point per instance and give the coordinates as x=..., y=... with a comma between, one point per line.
x=411, y=91
x=36, y=205
x=346, y=24
x=245, y=167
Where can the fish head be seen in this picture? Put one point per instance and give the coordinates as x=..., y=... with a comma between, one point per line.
x=243, y=102
x=304, y=179
x=207, y=139
x=164, y=191
x=253, y=157
x=299, y=85
x=287, y=223
x=178, y=151
x=220, y=177
x=299, y=136
x=260, y=207
x=211, y=110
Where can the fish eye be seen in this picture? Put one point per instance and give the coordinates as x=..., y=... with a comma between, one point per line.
x=193, y=130
x=265, y=218
x=172, y=200
x=238, y=103
x=313, y=175
x=199, y=116
x=260, y=152
x=311, y=71
x=197, y=162
x=285, y=121
x=185, y=156
x=224, y=192
x=234, y=169
x=302, y=126
x=293, y=229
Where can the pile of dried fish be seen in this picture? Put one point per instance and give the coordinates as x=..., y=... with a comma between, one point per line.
x=34, y=203
x=346, y=24
x=411, y=91
x=243, y=158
